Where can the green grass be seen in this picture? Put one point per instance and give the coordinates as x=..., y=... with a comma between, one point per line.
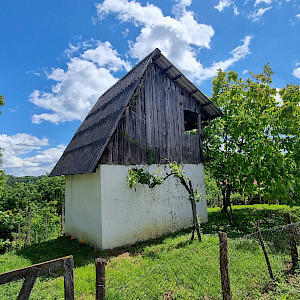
x=171, y=265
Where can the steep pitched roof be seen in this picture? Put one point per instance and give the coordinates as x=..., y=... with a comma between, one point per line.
x=86, y=147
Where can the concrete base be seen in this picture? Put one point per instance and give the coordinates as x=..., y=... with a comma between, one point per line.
x=101, y=209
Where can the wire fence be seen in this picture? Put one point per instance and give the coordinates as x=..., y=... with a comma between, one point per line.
x=196, y=274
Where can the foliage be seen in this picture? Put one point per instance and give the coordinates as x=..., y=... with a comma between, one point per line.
x=168, y=257
x=12, y=180
x=2, y=102
x=44, y=195
x=213, y=193
x=254, y=148
x=139, y=175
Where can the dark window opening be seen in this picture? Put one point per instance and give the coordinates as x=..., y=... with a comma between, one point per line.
x=190, y=122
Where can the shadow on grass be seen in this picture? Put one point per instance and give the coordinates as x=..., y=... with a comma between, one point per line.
x=269, y=216
x=84, y=254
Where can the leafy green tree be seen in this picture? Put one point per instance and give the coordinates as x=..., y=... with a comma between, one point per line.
x=254, y=147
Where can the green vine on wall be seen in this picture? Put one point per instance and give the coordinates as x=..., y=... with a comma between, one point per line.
x=142, y=176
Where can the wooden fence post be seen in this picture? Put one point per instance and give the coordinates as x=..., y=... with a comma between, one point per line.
x=224, y=266
x=19, y=235
x=27, y=241
x=46, y=227
x=28, y=284
x=62, y=217
x=100, y=278
x=69, y=278
x=262, y=244
x=292, y=241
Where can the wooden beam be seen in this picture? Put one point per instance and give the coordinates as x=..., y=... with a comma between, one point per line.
x=156, y=57
x=45, y=267
x=176, y=77
x=193, y=92
x=28, y=284
x=205, y=104
x=166, y=69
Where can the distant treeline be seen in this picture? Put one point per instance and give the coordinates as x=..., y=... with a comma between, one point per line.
x=12, y=180
x=44, y=195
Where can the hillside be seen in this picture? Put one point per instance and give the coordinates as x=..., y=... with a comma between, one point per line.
x=173, y=267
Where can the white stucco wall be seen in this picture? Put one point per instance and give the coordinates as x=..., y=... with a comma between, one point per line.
x=83, y=207
x=101, y=209
x=131, y=215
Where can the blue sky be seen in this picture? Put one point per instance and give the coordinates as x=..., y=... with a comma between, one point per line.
x=58, y=57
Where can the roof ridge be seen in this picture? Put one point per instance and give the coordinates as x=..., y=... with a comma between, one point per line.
x=86, y=159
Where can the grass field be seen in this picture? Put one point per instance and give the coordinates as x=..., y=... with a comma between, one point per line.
x=171, y=267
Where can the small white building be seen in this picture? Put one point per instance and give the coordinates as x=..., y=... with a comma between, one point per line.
x=145, y=119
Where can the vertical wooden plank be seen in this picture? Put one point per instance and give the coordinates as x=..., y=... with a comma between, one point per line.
x=262, y=244
x=28, y=284
x=148, y=110
x=292, y=240
x=200, y=139
x=126, y=138
x=27, y=241
x=69, y=278
x=100, y=278
x=143, y=144
x=224, y=266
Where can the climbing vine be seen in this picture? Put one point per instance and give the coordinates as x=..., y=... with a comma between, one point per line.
x=142, y=176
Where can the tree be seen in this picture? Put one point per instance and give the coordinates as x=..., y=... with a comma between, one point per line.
x=140, y=175
x=2, y=179
x=254, y=147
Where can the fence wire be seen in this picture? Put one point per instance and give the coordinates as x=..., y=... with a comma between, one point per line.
x=247, y=262
x=169, y=274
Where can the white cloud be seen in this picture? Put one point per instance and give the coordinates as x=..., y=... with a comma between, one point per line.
x=257, y=2
x=296, y=72
x=298, y=16
x=79, y=87
x=278, y=97
x=179, y=38
x=257, y=14
x=223, y=4
x=235, y=10
x=17, y=159
x=237, y=54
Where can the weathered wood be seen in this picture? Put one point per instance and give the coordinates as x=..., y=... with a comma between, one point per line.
x=69, y=278
x=200, y=138
x=262, y=244
x=224, y=266
x=44, y=267
x=156, y=121
x=28, y=284
x=100, y=278
x=292, y=240
x=27, y=240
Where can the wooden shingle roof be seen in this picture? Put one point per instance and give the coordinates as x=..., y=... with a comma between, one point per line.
x=83, y=153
